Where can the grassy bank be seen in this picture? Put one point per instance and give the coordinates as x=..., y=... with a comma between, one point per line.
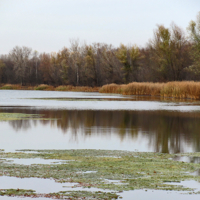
x=180, y=90
x=50, y=88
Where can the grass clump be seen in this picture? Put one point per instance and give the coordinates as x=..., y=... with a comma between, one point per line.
x=180, y=90
x=87, y=195
x=72, y=195
x=44, y=87
x=76, y=88
x=10, y=87
x=64, y=88
x=16, y=192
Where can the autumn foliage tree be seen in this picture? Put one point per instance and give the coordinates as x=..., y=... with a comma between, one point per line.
x=129, y=57
x=194, y=30
x=169, y=56
x=169, y=50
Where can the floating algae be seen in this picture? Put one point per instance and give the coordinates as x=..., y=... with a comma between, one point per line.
x=134, y=170
x=19, y=116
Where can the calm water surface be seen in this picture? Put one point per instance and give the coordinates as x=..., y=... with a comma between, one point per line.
x=80, y=120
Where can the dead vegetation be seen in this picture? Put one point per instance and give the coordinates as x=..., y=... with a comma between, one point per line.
x=50, y=88
x=180, y=90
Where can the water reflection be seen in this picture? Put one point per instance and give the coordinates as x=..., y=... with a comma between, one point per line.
x=165, y=131
x=187, y=159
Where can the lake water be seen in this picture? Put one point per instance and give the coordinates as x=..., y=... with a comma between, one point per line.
x=77, y=120
x=97, y=121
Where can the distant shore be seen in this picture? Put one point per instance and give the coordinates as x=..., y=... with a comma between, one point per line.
x=50, y=88
x=178, y=90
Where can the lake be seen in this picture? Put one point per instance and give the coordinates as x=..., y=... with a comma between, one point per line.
x=78, y=120
x=91, y=120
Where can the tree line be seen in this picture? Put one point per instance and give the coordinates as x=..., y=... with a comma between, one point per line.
x=169, y=56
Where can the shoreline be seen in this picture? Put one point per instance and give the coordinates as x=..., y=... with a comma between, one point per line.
x=45, y=87
x=174, y=90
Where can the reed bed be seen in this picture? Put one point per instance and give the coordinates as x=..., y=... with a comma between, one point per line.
x=50, y=88
x=180, y=90
x=44, y=87
x=76, y=88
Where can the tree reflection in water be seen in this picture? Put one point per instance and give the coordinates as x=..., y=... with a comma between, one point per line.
x=167, y=131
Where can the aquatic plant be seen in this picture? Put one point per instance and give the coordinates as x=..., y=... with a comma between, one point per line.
x=132, y=170
x=19, y=116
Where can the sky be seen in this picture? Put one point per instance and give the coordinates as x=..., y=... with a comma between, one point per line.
x=48, y=25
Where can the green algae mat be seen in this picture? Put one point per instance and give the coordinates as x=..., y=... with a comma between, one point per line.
x=115, y=171
x=20, y=116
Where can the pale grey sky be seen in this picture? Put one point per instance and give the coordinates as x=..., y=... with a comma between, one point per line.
x=47, y=25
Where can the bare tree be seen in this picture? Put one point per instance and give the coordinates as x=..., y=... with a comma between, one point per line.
x=2, y=66
x=36, y=60
x=75, y=54
x=20, y=57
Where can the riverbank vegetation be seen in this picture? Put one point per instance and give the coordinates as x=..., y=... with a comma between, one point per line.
x=50, y=88
x=180, y=90
x=176, y=89
x=171, y=55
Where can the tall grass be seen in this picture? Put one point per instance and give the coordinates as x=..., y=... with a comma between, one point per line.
x=50, y=88
x=11, y=87
x=44, y=87
x=179, y=90
x=185, y=89
x=77, y=88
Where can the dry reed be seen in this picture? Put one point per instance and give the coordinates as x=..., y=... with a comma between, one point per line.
x=44, y=87
x=180, y=90
x=50, y=88
x=77, y=88
x=11, y=87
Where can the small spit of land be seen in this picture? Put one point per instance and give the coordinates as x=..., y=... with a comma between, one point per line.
x=177, y=90
x=116, y=171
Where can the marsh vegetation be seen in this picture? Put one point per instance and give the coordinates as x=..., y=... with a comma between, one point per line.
x=179, y=90
x=125, y=170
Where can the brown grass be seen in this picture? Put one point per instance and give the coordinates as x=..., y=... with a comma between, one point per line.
x=10, y=87
x=15, y=87
x=76, y=88
x=44, y=87
x=50, y=88
x=180, y=90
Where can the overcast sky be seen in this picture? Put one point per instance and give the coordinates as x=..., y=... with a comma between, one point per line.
x=47, y=25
